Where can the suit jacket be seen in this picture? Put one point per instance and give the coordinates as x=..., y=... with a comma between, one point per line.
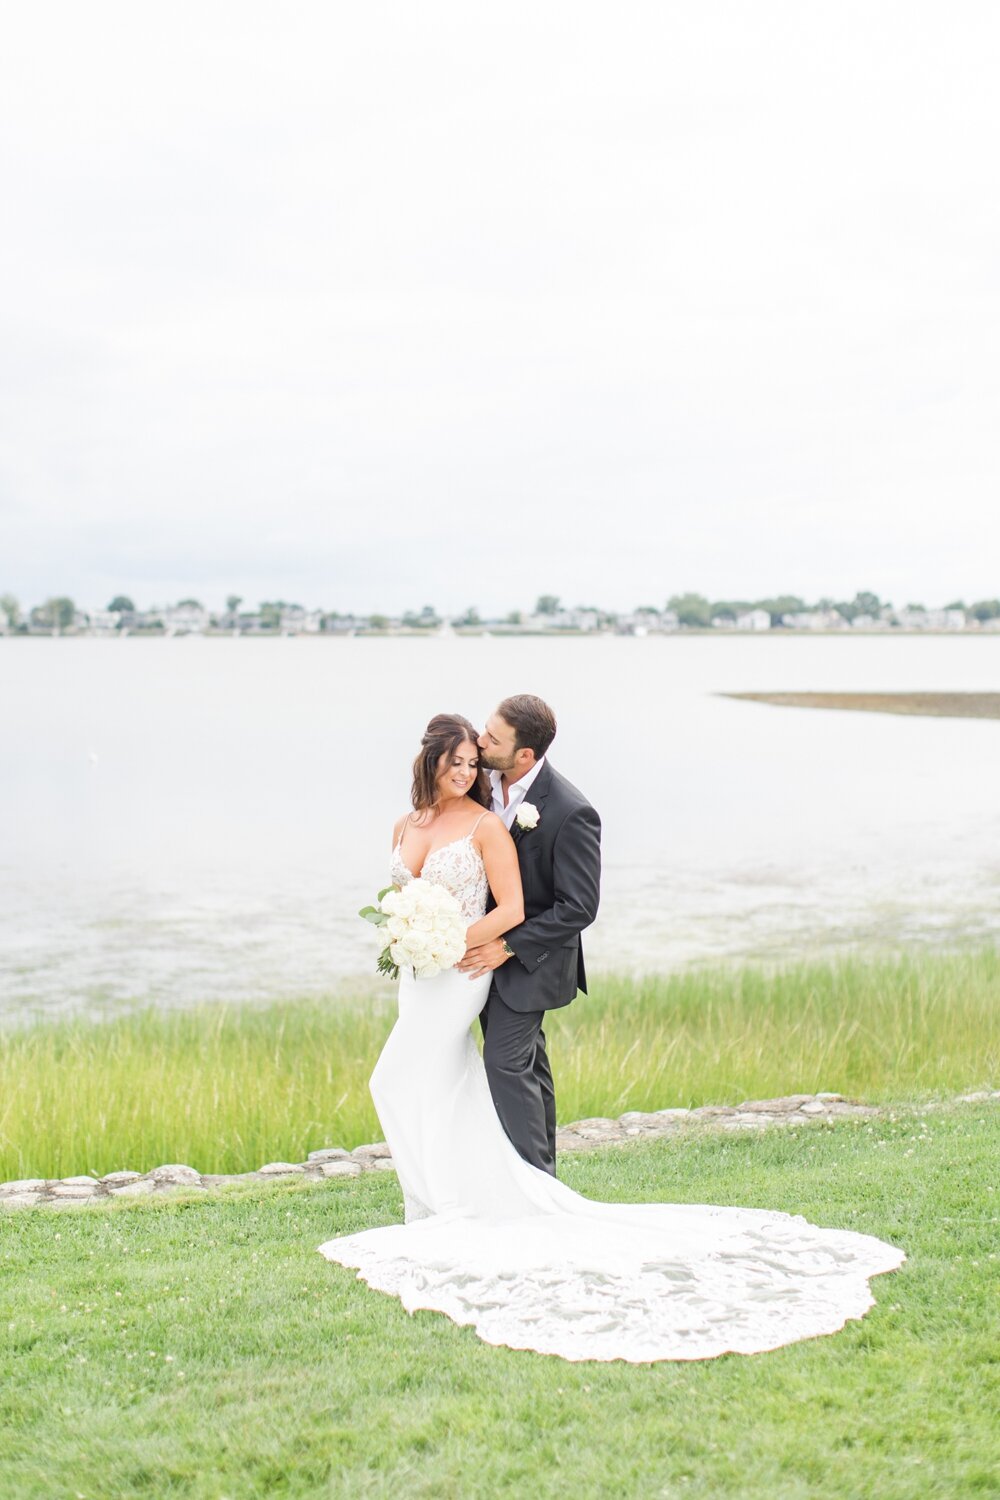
x=560, y=862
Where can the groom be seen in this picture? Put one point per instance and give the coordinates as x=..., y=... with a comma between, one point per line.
x=538, y=965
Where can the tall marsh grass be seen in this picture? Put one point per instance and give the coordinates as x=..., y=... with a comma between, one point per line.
x=228, y=1088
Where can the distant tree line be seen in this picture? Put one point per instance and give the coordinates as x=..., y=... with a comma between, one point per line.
x=696, y=610
x=691, y=611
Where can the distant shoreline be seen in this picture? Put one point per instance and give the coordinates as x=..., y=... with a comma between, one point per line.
x=499, y=633
x=927, y=705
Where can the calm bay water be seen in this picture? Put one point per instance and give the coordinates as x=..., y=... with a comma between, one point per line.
x=201, y=819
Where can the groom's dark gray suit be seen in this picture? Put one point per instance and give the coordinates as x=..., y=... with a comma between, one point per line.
x=560, y=861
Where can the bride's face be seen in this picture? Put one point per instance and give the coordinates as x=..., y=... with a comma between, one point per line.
x=456, y=773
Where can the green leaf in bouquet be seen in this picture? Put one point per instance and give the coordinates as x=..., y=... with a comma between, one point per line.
x=372, y=914
x=386, y=965
x=382, y=894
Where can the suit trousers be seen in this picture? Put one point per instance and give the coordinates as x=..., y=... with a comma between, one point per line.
x=520, y=1079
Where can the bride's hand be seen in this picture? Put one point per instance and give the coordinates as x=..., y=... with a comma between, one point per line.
x=483, y=959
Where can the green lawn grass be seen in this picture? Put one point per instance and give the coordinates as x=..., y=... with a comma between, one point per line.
x=227, y=1088
x=200, y=1347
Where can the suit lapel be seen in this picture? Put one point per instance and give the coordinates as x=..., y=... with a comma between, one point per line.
x=536, y=795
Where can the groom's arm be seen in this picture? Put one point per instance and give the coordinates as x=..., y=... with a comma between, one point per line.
x=576, y=880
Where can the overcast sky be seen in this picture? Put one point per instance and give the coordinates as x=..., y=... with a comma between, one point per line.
x=375, y=305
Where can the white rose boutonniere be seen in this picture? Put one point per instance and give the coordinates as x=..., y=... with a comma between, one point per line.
x=527, y=816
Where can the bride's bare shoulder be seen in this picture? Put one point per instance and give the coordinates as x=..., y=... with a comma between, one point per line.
x=397, y=828
x=491, y=826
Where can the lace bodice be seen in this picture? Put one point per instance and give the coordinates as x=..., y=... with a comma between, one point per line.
x=458, y=866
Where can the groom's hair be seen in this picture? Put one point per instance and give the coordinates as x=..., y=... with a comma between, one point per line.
x=532, y=720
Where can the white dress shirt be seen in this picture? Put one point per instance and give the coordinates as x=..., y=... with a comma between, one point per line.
x=516, y=792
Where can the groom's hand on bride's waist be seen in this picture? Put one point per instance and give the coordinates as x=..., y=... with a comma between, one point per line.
x=483, y=959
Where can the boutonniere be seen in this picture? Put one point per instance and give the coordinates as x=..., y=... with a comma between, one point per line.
x=527, y=816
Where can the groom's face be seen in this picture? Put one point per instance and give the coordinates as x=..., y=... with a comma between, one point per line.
x=497, y=743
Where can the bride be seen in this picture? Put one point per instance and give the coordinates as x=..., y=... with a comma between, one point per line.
x=495, y=1242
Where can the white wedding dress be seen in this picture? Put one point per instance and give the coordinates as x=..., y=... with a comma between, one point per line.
x=494, y=1242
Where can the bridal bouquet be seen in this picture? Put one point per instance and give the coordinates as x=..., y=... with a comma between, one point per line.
x=420, y=926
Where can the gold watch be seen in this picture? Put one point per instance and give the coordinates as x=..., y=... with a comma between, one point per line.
x=507, y=948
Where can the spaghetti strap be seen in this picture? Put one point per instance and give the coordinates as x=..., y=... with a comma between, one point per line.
x=476, y=824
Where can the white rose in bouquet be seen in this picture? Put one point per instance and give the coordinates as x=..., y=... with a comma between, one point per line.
x=420, y=926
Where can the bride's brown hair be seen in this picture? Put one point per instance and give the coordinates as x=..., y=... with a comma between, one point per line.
x=443, y=735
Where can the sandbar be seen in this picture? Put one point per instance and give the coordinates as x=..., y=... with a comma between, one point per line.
x=937, y=705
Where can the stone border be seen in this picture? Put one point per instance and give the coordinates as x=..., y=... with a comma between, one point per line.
x=335, y=1161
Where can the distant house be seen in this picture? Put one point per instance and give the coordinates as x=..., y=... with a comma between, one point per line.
x=292, y=618
x=646, y=622
x=566, y=619
x=105, y=621
x=930, y=619
x=586, y=619
x=572, y=619
x=185, y=618
x=912, y=619
x=754, y=619
x=815, y=619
